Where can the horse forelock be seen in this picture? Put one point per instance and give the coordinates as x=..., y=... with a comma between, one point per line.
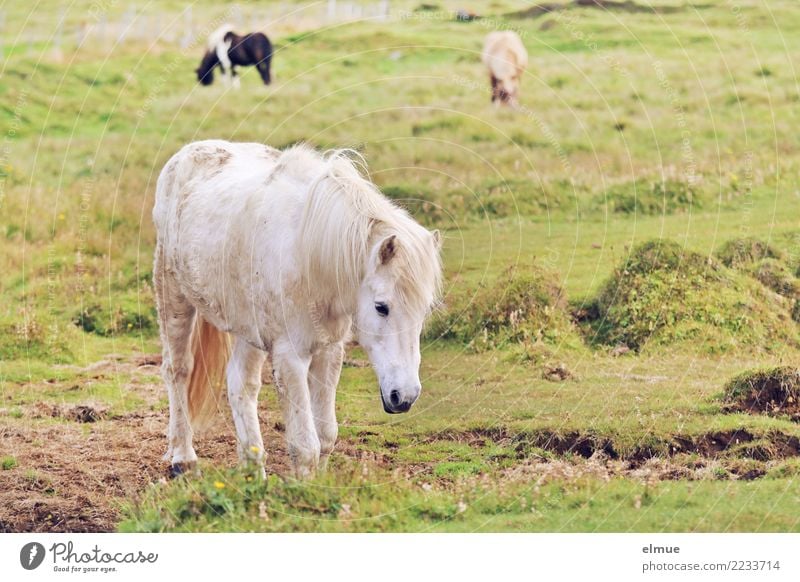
x=345, y=217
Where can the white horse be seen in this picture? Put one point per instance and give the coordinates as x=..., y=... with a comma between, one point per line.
x=506, y=58
x=284, y=252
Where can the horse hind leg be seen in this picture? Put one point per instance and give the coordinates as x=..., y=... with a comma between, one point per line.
x=263, y=70
x=176, y=318
x=244, y=384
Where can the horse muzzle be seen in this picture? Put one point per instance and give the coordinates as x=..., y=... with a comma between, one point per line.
x=397, y=403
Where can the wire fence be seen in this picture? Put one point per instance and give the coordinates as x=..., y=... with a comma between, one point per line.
x=185, y=28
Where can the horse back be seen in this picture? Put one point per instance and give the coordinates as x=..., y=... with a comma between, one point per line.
x=250, y=49
x=208, y=169
x=504, y=54
x=216, y=204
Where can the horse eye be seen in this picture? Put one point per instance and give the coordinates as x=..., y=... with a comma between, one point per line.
x=382, y=309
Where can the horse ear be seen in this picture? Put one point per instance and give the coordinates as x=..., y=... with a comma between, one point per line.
x=388, y=249
x=438, y=239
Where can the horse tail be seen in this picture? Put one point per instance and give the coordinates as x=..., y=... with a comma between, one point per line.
x=211, y=349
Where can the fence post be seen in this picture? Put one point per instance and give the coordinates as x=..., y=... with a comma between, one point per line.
x=186, y=39
x=80, y=33
x=59, y=36
x=383, y=10
x=331, y=9
x=125, y=25
x=103, y=26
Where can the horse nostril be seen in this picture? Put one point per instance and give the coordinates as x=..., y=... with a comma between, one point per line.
x=394, y=397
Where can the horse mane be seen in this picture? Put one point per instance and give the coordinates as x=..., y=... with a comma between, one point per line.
x=345, y=216
x=218, y=36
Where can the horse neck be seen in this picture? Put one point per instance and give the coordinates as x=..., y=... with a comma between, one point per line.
x=342, y=300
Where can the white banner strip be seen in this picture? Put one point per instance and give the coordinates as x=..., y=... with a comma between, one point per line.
x=399, y=557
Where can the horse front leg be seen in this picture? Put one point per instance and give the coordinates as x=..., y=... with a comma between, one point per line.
x=323, y=377
x=290, y=370
x=244, y=383
x=226, y=76
x=495, y=92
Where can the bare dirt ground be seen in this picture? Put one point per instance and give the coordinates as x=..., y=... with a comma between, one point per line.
x=73, y=472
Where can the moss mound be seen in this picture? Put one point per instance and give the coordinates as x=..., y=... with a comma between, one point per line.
x=664, y=294
x=740, y=252
x=521, y=306
x=772, y=391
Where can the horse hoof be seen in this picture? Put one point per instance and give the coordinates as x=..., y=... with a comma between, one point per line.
x=178, y=469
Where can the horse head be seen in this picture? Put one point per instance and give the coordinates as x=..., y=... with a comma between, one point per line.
x=205, y=72
x=395, y=296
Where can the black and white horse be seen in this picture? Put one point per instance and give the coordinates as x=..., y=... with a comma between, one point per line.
x=228, y=50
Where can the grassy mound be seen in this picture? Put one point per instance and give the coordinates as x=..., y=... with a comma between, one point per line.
x=777, y=276
x=664, y=294
x=767, y=265
x=657, y=198
x=520, y=307
x=740, y=252
x=773, y=391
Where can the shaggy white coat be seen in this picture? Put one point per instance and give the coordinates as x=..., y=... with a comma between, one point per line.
x=506, y=58
x=286, y=251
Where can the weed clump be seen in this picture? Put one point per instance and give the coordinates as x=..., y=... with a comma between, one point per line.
x=665, y=294
x=772, y=391
x=30, y=335
x=122, y=319
x=518, y=308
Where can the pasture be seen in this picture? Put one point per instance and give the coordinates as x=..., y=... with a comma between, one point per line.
x=617, y=250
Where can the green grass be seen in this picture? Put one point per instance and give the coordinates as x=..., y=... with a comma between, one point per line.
x=665, y=127
x=231, y=501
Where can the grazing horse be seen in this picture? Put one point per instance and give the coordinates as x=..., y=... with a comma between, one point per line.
x=227, y=49
x=283, y=252
x=506, y=58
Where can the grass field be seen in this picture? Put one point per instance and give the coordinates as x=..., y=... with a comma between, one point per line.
x=575, y=378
